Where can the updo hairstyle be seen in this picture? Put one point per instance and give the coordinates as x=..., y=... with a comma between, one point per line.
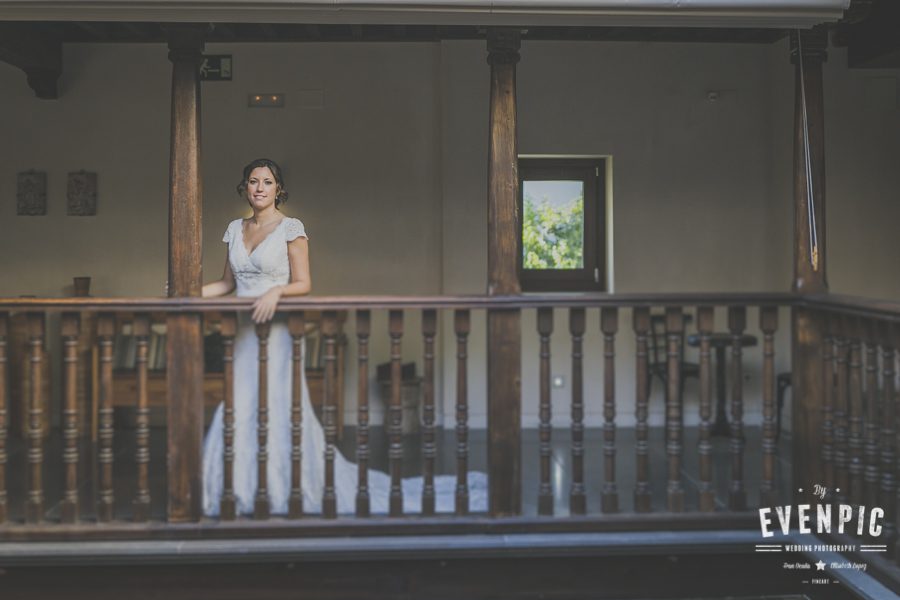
x=281, y=194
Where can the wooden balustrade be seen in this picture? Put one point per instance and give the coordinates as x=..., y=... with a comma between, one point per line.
x=858, y=361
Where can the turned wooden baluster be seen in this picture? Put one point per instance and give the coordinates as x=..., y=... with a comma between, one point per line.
x=842, y=427
x=828, y=359
x=228, y=503
x=297, y=329
x=429, y=449
x=141, y=503
x=4, y=384
x=872, y=415
x=69, y=332
x=641, y=324
x=461, y=329
x=577, y=499
x=893, y=394
x=705, y=321
x=395, y=414
x=737, y=321
x=329, y=410
x=106, y=330
x=609, y=325
x=34, y=508
x=856, y=414
x=768, y=323
x=363, y=320
x=886, y=498
x=674, y=447
x=545, y=489
x=261, y=503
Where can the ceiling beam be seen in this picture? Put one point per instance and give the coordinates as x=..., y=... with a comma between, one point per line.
x=38, y=55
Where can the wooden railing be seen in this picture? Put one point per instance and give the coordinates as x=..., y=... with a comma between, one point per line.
x=858, y=453
x=860, y=416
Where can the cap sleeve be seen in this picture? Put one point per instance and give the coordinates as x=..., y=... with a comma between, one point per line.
x=229, y=233
x=293, y=228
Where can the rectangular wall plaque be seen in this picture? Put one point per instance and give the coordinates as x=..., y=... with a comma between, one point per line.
x=81, y=194
x=31, y=193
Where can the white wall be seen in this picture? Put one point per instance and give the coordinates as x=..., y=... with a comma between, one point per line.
x=390, y=176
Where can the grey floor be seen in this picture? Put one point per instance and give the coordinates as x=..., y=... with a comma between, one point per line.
x=561, y=468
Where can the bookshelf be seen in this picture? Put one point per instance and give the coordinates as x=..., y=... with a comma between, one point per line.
x=125, y=380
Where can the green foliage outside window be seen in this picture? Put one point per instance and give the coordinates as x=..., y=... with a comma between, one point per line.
x=553, y=235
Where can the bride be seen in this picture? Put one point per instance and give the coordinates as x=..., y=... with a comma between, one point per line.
x=268, y=258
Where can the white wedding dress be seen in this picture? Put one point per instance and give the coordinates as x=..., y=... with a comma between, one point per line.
x=255, y=273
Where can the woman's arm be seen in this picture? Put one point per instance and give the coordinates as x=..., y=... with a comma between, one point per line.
x=223, y=286
x=300, y=284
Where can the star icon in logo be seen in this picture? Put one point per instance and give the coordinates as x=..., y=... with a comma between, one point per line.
x=820, y=566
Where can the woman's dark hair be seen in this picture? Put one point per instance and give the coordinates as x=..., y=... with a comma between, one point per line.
x=281, y=194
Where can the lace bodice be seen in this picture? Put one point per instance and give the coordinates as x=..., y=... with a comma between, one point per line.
x=267, y=266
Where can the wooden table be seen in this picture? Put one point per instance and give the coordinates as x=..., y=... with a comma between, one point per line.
x=720, y=342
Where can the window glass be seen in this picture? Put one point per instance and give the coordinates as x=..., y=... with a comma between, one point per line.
x=553, y=224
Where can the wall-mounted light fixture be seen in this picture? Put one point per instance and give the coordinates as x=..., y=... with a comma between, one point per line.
x=265, y=101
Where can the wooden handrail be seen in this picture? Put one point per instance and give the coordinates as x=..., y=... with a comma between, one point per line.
x=851, y=305
x=397, y=302
x=854, y=305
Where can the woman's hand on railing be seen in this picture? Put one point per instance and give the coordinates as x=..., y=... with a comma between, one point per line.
x=264, y=306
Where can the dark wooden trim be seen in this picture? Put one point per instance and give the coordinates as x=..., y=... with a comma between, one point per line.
x=592, y=173
x=244, y=528
x=560, y=300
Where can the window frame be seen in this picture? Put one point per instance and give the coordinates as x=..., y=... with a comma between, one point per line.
x=592, y=173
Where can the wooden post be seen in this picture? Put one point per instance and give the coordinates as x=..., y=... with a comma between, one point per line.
x=504, y=343
x=809, y=259
x=184, y=348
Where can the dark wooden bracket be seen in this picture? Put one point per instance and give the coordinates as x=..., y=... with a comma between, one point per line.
x=37, y=54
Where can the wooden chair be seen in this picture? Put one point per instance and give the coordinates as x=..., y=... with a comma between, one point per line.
x=658, y=354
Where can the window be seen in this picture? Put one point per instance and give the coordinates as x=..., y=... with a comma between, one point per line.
x=563, y=214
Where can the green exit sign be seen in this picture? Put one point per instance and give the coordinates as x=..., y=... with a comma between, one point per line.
x=216, y=67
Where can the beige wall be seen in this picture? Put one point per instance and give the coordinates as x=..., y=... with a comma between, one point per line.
x=390, y=174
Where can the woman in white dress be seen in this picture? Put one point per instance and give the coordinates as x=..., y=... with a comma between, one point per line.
x=268, y=258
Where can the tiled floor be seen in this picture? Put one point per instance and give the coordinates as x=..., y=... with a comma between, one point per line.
x=125, y=479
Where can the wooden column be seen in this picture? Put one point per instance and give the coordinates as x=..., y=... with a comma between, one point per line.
x=809, y=263
x=184, y=350
x=504, y=343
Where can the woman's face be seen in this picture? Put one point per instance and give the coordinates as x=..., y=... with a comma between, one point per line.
x=261, y=188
